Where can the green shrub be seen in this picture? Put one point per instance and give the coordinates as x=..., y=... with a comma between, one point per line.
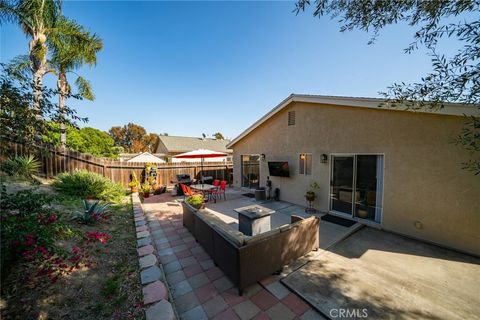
x=21, y=166
x=84, y=184
x=195, y=201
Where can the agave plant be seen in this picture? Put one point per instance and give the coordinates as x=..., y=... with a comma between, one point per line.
x=22, y=166
x=93, y=211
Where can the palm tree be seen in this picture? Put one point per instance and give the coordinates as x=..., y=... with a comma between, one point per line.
x=38, y=19
x=68, y=54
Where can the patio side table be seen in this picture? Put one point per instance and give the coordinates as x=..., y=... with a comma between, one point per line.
x=254, y=219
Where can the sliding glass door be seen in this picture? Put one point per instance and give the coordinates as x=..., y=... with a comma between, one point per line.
x=356, y=186
x=250, y=171
x=342, y=184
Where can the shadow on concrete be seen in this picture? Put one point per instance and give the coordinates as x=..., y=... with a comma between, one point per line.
x=374, y=239
x=393, y=277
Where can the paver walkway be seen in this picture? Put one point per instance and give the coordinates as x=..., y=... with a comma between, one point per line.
x=199, y=289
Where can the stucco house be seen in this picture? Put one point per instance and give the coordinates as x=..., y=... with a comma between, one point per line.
x=392, y=169
x=173, y=145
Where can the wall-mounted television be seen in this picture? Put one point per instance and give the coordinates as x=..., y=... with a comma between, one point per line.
x=278, y=168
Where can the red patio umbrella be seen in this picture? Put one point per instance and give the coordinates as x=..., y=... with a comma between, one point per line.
x=200, y=154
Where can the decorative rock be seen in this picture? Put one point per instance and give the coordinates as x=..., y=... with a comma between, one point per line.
x=143, y=234
x=140, y=223
x=147, y=261
x=154, y=292
x=150, y=274
x=144, y=241
x=160, y=311
x=143, y=251
x=141, y=228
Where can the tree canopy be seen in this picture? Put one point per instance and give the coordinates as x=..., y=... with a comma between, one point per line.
x=218, y=136
x=134, y=138
x=454, y=78
x=86, y=140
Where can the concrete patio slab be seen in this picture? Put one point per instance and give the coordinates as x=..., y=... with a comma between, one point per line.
x=391, y=277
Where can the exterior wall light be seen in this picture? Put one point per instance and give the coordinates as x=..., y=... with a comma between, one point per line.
x=263, y=156
x=323, y=158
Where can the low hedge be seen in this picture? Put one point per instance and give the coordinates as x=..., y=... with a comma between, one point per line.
x=85, y=184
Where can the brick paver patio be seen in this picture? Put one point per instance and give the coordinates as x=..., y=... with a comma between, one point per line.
x=199, y=289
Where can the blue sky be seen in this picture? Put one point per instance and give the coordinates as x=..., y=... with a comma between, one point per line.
x=188, y=68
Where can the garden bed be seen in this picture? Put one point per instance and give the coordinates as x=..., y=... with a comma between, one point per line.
x=103, y=286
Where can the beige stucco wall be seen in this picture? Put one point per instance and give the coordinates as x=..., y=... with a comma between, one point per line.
x=423, y=179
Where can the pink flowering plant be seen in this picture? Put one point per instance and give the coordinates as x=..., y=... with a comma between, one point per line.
x=28, y=226
x=29, y=233
x=93, y=236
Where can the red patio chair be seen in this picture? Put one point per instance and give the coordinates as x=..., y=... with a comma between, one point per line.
x=216, y=184
x=219, y=191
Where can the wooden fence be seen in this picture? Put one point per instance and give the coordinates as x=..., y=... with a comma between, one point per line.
x=55, y=161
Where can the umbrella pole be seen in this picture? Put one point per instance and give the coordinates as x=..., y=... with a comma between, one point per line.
x=201, y=174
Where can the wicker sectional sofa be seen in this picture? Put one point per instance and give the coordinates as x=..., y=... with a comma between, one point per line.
x=244, y=259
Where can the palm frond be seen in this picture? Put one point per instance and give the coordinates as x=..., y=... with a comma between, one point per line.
x=84, y=88
x=73, y=46
x=32, y=15
x=8, y=12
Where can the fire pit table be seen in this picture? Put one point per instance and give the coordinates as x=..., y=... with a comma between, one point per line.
x=254, y=219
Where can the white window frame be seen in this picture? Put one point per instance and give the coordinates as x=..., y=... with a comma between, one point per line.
x=305, y=164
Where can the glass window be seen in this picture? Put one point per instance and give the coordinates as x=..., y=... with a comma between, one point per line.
x=250, y=171
x=305, y=164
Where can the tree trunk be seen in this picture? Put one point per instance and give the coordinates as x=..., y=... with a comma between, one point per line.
x=62, y=86
x=38, y=63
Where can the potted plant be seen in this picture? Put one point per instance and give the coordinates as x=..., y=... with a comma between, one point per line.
x=310, y=195
x=134, y=184
x=196, y=201
x=146, y=189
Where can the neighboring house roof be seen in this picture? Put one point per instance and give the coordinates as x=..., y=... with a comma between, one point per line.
x=175, y=144
x=146, y=157
x=372, y=103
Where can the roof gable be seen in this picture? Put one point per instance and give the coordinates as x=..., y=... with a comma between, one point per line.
x=360, y=102
x=185, y=144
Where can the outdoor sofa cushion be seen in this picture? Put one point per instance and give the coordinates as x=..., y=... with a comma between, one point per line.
x=225, y=229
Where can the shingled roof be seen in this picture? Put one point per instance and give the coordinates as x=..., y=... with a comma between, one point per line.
x=175, y=144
